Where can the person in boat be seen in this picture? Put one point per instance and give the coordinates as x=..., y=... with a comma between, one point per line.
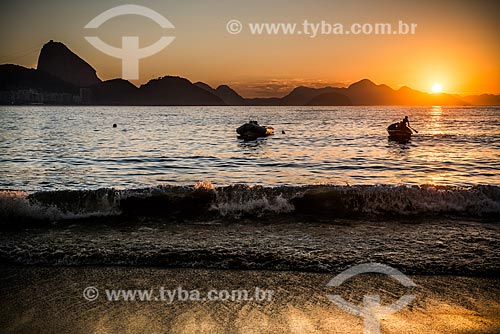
x=405, y=122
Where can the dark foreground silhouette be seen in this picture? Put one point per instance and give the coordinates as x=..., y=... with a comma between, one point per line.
x=401, y=131
x=253, y=130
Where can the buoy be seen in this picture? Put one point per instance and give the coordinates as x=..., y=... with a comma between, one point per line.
x=114, y=125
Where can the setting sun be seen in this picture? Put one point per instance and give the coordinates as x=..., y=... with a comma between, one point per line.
x=437, y=88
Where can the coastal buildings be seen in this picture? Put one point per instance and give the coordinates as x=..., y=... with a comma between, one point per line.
x=35, y=96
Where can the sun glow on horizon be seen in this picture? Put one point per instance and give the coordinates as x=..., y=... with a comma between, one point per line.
x=437, y=88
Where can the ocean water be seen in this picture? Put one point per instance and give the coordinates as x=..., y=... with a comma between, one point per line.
x=174, y=187
x=55, y=148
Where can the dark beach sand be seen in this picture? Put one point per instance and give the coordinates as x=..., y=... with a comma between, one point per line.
x=50, y=300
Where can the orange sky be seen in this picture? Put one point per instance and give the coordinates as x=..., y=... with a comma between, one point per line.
x=456, y=43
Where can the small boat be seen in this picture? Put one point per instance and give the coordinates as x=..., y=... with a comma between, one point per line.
x=399, y=132
x=252, y=130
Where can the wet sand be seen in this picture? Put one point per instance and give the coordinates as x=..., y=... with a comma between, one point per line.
x=50, y=300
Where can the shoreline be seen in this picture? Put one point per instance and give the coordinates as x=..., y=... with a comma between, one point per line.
x=295, y=243
x=49, y=300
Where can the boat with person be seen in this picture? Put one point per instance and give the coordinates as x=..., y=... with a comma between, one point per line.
x=253, y=130
x=399, y=131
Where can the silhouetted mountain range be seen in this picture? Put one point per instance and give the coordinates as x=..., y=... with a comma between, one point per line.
x=55, y=58
x=225, y=93
x=62, y=77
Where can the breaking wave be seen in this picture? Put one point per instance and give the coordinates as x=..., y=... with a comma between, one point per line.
x=243, y=200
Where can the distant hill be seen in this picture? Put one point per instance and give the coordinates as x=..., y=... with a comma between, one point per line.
x=205, y=86
x=366, y=93
x=115, y=92
x=229, y=96
x=63, y=72
x=301, y=96
x=483, y=100
x=410, y=97
x=226, y=93
x=15, y=77
x=56, y=59
x=171, y=90
x=330, y=99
